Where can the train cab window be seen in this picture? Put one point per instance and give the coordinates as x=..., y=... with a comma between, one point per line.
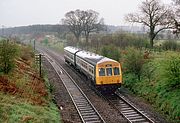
x=101, y=72
x=116, y=71
x=109, y=71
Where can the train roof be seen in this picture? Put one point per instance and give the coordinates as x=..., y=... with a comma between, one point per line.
x=88, y=56
x=93, y=58
x=71, y=49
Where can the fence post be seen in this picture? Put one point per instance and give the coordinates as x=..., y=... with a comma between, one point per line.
x=40, y=64
x=34, y=45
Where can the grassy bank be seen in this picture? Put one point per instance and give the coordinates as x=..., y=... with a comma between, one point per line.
x=14, y=109
x=162, y=87
x=24, y=96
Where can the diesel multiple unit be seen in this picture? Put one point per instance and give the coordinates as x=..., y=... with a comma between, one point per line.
x=104, y=72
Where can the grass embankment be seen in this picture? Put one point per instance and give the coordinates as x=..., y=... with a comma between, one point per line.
x=24, y=96
x=160, y=83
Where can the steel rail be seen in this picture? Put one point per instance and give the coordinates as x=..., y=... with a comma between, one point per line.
x=85, y=108
x=132, y=113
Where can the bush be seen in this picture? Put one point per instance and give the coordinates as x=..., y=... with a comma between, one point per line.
x=27, y=53
x=173, y=71
x=148, y=70
x=134, y=61
x=170, y=45
x=8, y=52
x=111, y=52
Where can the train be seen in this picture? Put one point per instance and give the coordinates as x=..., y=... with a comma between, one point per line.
x=105, y=73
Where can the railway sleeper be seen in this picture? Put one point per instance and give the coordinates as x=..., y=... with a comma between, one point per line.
x=126, y=108
x=92, y=113
x=129, y=115
x=85, y=109
x=91, y=116
x=127, y=111
x=82, y=104
x=92, y=119
x=138, y=120
x=135, y=117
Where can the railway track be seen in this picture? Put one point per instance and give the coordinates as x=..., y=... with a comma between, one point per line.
x=125, y=107
x=128, y=110
x=86, y=110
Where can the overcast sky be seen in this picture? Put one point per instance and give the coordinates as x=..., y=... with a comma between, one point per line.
x=29, y=12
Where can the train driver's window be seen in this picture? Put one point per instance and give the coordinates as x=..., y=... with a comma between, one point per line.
x=101, y=72
x=116, y=71
x=109, y=71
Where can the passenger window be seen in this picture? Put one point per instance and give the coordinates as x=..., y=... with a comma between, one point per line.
x=109, y=71
x=116, y=71
x=101, y=72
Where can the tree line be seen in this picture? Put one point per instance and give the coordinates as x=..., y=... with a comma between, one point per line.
x=32, y=29
x=153, y=14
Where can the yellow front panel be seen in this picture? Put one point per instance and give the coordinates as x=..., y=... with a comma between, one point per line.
x=114, y=79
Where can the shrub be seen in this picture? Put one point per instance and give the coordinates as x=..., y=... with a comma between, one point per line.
x=111, y=52
x=173, y=71
x=134, y=61
x=148, y=70
x=8, y=52
x=170, y=45
x=27, y=53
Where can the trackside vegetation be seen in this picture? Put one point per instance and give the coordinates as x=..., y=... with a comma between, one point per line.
x=24, y=96
x=8, y=53
x=160, y=79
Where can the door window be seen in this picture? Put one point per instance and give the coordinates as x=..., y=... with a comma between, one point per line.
x=109, y=71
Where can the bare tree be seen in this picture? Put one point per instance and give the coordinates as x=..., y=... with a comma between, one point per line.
x=73, y=21
x=176, y=10
x=91, y=23
x=85, y=22
x=154, y=15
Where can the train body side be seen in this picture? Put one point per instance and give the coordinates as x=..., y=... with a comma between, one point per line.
x=85, y=67
x=70, y=55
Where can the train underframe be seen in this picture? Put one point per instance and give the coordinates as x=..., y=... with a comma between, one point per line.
x=108, y=88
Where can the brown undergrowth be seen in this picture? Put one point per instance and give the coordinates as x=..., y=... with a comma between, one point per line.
x=25, y=82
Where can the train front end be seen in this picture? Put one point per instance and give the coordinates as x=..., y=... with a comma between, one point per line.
x=108, y=75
